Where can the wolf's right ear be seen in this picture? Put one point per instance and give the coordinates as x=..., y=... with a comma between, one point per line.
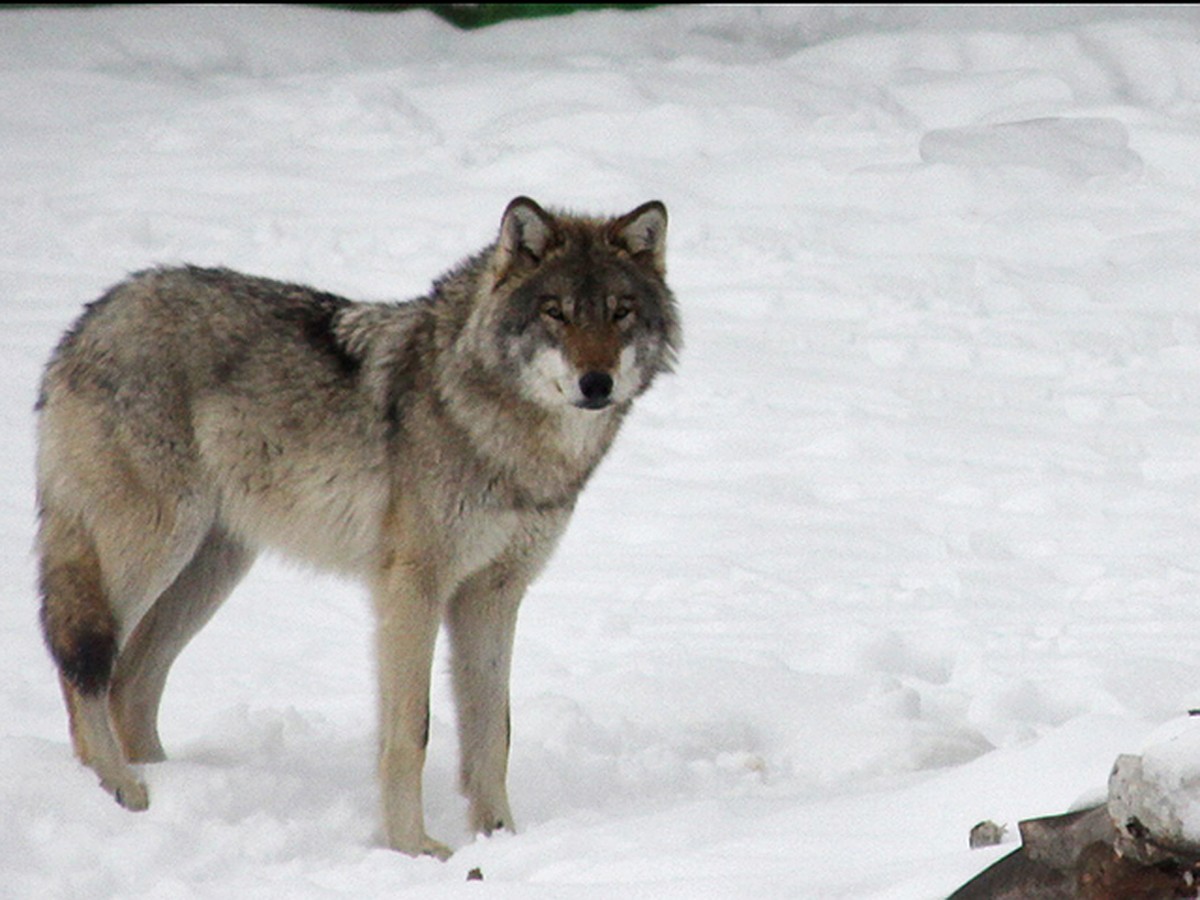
x=527, y=232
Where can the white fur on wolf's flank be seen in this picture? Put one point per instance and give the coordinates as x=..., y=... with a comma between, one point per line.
x=907, y=543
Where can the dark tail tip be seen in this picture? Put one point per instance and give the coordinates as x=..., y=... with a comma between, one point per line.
x=89, y=665
x=80, y=629
x=86, y=658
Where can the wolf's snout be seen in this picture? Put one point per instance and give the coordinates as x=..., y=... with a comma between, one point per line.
x=596, y=388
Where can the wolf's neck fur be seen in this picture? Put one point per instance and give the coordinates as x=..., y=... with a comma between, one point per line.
x=545, y=456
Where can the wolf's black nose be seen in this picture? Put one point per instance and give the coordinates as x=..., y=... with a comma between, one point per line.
x=596, y=388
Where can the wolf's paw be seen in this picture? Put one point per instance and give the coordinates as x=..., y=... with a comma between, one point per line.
x=487, y=819
x=422, y=846
x=436, y=849
x=129, y=793
x=488, y=827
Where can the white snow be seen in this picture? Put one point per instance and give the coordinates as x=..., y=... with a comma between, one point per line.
x=911, y=540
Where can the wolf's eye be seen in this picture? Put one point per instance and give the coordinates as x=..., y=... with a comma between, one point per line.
x=623, y=309
x=551, y=308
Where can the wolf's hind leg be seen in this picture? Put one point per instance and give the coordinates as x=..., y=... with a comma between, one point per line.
x=174, y=619
x=82, y=634
x=97, y=747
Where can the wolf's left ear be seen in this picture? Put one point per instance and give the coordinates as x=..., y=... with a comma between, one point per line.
x=526, y=232
x=643, y=233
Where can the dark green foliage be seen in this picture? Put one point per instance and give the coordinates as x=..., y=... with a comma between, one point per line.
x=463, y=15
x=478, y=15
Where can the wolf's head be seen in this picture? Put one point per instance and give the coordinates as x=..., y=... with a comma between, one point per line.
x=580, y=310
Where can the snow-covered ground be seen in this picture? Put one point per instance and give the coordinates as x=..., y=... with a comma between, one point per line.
x=911, y=540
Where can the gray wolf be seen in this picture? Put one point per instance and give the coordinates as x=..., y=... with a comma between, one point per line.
x=434, y=448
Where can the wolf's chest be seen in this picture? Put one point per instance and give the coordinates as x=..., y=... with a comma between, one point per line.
x=480, y=538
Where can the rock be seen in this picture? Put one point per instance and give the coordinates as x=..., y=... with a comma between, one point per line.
x=986, y=834
x=1149, y=811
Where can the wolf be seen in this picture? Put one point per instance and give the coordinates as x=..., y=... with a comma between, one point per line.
x=433, y=448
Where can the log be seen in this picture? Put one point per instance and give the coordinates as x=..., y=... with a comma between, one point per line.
x=1085, y=855
x=1045, y=866
x=1143, y=843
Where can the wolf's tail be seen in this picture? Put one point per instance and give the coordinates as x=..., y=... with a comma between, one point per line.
x=77, y=618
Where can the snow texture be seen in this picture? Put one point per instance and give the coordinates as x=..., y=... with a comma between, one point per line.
x=909, y=542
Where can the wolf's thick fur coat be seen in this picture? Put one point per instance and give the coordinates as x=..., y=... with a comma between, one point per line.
x=433, y=448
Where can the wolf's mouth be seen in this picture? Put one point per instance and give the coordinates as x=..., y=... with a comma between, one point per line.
x=593, y=403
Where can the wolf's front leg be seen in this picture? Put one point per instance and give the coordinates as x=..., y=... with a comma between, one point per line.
x=408, y=616
x=481, y=620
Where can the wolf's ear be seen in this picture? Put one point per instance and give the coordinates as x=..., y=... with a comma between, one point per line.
x=526, y=232
x=643, y=233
